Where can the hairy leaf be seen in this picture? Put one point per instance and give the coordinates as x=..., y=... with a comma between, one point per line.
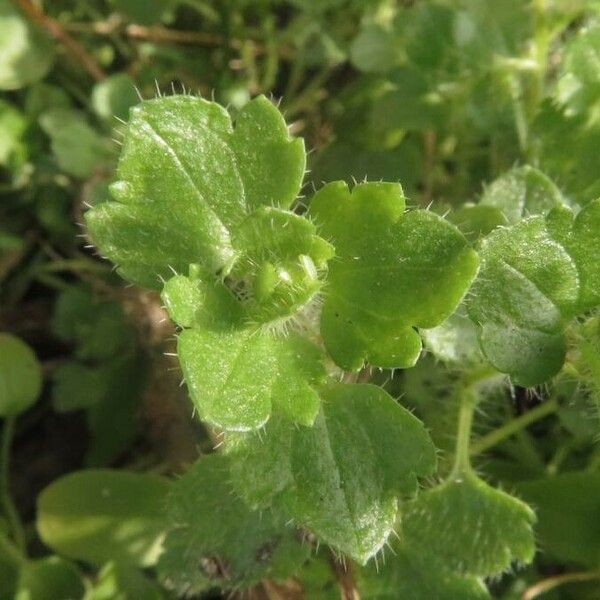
x=392, y=271
x=473, y=528
x=187, y=179
x=339, y=478
x=216, y=540
x=237, y=372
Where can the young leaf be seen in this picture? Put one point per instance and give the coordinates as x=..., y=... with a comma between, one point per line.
x=187, y=178
x=20, y=376
x=216, y=540
x=393, y=271
x=101, y=515
x=471, y=527
x=339, y=478
x=236, y=373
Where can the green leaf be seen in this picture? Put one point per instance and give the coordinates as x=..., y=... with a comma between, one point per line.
x=236, y=376
x=20, y=376
x=216, y=540
x=393, y=270
x=121, y=582
x=477, y=220
x=102, y=515
x=187, y=179
x=471, y=527
x=567, y=506
x=535, y=276
x=339, y=478
x=12, y=128
x=79, y=150
x=527, y=286
x=26, y=54
x=521, y=193
x=114, y=96
x=579, y=237
x=50, y=578
x=418, y=576
x=375, y=49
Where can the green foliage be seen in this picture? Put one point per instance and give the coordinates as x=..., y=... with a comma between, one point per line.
x=387, y=341
x=20, y=376
x=102, y=515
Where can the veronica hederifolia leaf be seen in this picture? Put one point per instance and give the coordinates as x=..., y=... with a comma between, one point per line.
x=215, y=539
x=527, y=286
x=339, y=478
x=393, y=270
x=186, y=178
x=238, y=372
x=471, y=527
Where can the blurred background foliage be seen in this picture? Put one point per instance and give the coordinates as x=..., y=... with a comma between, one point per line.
x=442, y=95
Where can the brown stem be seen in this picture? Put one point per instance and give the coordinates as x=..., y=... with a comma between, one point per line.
x=164, y=35
x=552, y=582
x=345, y=579
x=37, y=16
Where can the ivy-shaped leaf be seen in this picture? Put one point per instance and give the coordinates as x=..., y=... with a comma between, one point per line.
x=236, y=372
x=473, y=528
x=187, y=178
x=535, y=276
x=341, y=477
x=393, y=270
x=216, y=540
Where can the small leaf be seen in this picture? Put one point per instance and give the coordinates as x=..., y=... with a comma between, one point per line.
x=50, y=578
x=187, y=178
x=339, y=478
x=26, y=54
x=101, y=515
x=471, y=527
x=392, y=271
x=216, y=540
x=20, y=376
x=522, y=192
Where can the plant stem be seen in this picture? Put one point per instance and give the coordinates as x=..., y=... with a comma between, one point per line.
x=468, y=400
x=552, y=582
x=514, y=426
x=8, y=506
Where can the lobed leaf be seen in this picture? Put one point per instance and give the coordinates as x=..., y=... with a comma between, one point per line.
x=393, y=271
x=187, y=179
x=472, y=528
x=339, y=478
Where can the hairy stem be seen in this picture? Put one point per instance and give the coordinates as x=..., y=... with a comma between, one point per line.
x=514, y=426
x=10, y=512
x=468, y=401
